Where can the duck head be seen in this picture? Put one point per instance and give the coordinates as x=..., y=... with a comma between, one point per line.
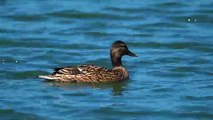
x=117, y=51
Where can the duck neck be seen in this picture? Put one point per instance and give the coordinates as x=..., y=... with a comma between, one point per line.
x=116, y=60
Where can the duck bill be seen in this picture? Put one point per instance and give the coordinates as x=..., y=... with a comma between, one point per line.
x=131, y=54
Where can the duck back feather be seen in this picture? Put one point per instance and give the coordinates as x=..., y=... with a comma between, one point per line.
x=87, y=73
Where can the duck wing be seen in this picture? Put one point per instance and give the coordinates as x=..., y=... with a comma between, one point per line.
x=71, y=70
x=80, y=69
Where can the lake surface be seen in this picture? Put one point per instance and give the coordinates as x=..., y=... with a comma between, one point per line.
x=171, y=79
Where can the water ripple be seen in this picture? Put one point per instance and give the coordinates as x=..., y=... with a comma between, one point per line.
x=27, y=18
x=82, y=15
x=8, y=114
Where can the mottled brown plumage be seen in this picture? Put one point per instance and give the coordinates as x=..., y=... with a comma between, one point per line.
x=92, y=73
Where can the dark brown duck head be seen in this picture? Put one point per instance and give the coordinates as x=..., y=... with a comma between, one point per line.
x=117, y=51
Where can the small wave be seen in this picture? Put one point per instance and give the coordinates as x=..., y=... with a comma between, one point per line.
x=170, y=74
x=26, y=74
x=134, y=10
x=194, y=108
x=160, y=25
x=205, y=11
x=171, y=4
x=184, y=69
x=206, y=87
x=44, y=43
x=86, y=15
x=201, y=115
x=9, y=114
x=196, y=18
x=8, y=59
x=175, y=45
x=170, y=59
x=27, y=18
x=4, y=42
x=197, y=98
x=155, y=114
x=163, y=90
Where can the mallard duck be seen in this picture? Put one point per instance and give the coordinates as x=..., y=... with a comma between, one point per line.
x=92, y=73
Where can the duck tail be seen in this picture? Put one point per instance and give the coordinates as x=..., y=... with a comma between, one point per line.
x=48, y=77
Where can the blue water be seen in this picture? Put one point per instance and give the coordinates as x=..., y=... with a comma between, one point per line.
x=171, y=79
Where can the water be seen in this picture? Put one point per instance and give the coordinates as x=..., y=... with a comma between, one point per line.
x=171, y=78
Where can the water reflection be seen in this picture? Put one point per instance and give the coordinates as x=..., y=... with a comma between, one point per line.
x=117, y=87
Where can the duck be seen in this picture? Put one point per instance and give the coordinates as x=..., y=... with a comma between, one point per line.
x=90, y=73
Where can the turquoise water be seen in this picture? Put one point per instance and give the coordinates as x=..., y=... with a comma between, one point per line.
x=171, y=79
